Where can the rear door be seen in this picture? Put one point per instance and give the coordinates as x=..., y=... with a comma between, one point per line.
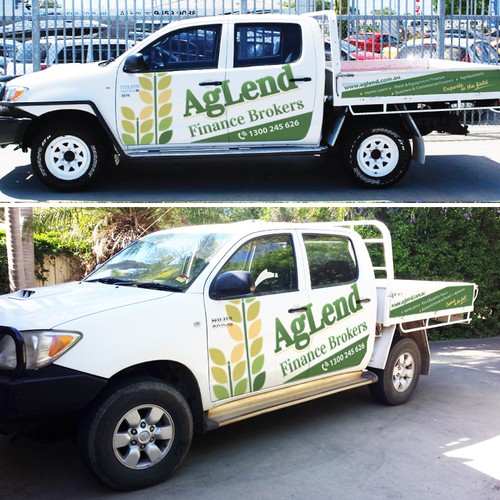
x=273, y=83
x=342, y=303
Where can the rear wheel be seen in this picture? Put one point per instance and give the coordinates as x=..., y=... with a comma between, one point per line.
x=397, y=382
x=137, y=434
x=68, y=157
x=377, y=156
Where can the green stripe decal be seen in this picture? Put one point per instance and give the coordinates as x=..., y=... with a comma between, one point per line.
x=447, y=298
x=293, y=128
x=446, y=82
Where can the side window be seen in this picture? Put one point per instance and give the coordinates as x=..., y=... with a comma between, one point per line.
x=71, y=55
x=270, y=260
x=331, y=260
x=189, y=48
x=266, y=44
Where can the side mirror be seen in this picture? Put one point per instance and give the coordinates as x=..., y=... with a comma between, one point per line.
x=134, y=63
x=232, y=284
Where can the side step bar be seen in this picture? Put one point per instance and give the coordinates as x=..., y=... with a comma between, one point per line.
x=215, y=152
x=281, y=398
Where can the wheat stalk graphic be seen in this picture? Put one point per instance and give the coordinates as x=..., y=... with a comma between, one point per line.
x=242, y=370
x=152, y=123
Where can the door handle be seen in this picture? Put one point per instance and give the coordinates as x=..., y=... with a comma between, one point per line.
x=363, y=301
x=298, y=309
x=205, y=84
x=305, y=79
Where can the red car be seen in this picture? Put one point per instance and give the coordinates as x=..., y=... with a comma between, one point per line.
x=373, y=42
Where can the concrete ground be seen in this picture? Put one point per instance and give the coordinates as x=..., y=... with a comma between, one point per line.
x=443, y=444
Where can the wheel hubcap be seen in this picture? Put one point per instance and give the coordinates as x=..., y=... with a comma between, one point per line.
x=378, y=155
x=143, y=436
x=68, y=157
x=403, y=372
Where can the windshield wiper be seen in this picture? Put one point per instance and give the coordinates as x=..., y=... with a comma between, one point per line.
x=158, y=286
x=105, y=63
x=113, y=281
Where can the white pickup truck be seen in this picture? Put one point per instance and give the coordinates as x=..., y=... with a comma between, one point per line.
x=240, y=85
x=198, y=327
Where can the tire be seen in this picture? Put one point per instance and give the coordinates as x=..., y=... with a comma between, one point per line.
x=136, y=434
x=377, y=156
x=397, y=382
x=68, y=156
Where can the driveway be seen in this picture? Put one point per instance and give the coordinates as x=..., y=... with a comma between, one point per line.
x=444, y=443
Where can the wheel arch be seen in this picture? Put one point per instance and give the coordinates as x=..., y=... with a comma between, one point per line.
x=415, y=331
x=173, y=373
x=79, y=116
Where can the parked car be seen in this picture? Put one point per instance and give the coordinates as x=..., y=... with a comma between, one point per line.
x=454, y=50
x=58, y=51
x=349, y=52
x=7, y=52
x=373, y=42
x=461, y=33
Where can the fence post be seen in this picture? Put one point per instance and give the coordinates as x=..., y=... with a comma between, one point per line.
x=35, y=24
x=441, y=27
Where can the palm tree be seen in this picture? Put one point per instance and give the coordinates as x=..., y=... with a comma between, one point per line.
x=20, y=247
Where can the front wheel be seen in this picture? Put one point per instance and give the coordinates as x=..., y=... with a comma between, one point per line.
x=137, y=434
x=397, y=382
x=377, y=156
x=68, y=157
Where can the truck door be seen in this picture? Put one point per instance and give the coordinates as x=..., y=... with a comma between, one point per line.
x=274, y=84
x=242, y=330
x=172, y=98
x=342, y=303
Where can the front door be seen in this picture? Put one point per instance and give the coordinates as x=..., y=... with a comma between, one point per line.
x=241, y=331
x=175, y=100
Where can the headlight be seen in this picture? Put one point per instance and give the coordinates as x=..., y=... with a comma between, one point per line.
x=13, y=93
x=42, y=348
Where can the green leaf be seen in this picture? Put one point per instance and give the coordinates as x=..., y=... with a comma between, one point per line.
x=164, y=82
x=165, y=110
x=259, y=381
x=146, y=126
x=128, y=113
x=165, y=123
x=241, y=387
x=234, y=313
x=128, y=126
x=145, y=83
x=257, y=364
x=253, y=311
x=147, y=139
x=239, y=370
x=219, y=375
x=128, y=139
x=217, y=356
x=165, y=137
x=256, y=347
x=220, y=392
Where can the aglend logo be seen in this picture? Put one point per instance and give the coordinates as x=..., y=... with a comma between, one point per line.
x=304, y=326
x=214, y=102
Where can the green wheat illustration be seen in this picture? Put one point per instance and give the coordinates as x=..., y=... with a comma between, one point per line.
x=241, y=370
x=152, y=123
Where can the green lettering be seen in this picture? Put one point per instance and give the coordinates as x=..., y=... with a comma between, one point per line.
x=282, y=336
x=285, y=79
x=192, y=103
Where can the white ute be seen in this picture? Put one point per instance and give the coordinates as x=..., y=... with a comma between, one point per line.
x=197, y=327
x=240, y=85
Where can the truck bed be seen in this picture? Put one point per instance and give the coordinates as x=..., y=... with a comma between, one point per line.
x=400, y=81
x=402, y=301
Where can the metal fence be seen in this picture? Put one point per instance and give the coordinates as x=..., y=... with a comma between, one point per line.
x=37, y=33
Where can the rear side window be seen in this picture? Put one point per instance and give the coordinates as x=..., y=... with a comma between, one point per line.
x=267, y=44
x=331, y=260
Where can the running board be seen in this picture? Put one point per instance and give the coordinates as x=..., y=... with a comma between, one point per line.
x=212, y=152
x=281, y=398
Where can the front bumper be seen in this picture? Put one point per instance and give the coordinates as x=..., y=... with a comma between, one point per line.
x=33, y=395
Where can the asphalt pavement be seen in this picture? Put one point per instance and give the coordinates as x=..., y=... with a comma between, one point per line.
x=443, y=444
x=458, y=169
